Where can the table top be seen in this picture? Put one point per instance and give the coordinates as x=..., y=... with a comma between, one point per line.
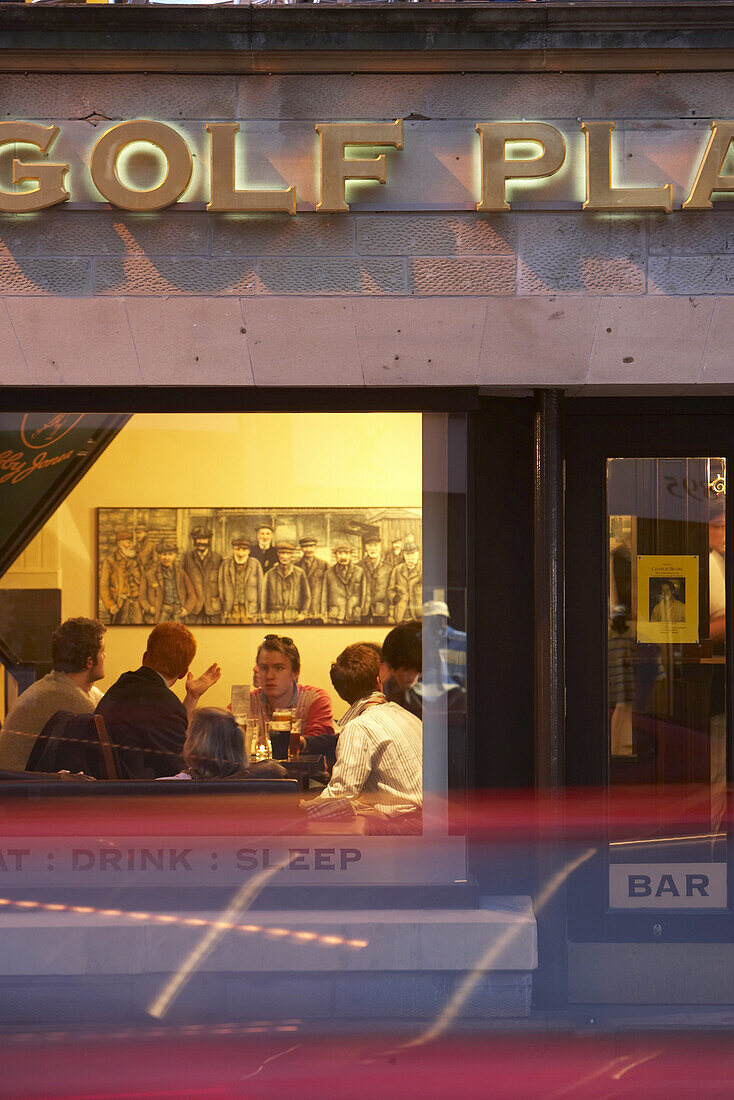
x=306, y=766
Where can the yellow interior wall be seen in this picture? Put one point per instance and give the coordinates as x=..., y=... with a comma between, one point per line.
x=271, y=460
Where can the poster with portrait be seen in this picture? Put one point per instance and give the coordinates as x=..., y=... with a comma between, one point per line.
x=667, y=598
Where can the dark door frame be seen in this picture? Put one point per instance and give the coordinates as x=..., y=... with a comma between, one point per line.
x=594, y=431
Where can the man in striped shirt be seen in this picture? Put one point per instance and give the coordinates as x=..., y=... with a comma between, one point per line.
x=378, y=772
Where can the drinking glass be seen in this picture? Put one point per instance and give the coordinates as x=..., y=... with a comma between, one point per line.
x=257, y=739
x=294, y=742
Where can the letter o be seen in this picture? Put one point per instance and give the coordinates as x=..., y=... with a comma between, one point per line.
x=103, y=165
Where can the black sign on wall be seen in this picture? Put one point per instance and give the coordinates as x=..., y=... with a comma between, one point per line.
x=42, y=457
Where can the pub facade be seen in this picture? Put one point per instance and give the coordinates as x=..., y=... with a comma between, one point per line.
x=458, y=278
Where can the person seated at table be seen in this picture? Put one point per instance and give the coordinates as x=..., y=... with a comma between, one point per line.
x=77, y=661
x=278, y=666
x=215, y=749
x=378, y=774
x=145, y=720
x=401, y=666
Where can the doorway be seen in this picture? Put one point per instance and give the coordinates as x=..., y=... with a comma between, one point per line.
x=648, y=627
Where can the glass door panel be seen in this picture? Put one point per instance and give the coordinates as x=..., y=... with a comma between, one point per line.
x=666, y=675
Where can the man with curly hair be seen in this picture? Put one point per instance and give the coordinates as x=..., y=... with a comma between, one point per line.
x=77, y=657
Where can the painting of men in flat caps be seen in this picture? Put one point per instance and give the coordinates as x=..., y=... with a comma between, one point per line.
x=144, y=547
x=201, y=565
x=406, y=584
x=264, y=551
x=119, y=582
x=166, y=592
x=315, y=570
x=394, y=555
x=378, y=571
x=345, y=588
x=287, y=596
x=241, y=583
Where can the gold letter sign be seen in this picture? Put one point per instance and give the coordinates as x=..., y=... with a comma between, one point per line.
x=503, y=149
x=103, y=165
x=709, y=177
x=496, y=169
x=336, y=168
x=225, y=196
x=600, y=195
x=49, y=177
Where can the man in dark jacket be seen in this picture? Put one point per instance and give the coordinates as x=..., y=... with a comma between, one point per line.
x=406, y=585
x=345, y=588
x=145, y=721
x=264, y=551
x=144, y=547
x=202, y=566
x=241, y=583
x=166, y=592
x=286, y=595
x=378, y=573
x=394, y=556
x=315, y=570
x=119, y=582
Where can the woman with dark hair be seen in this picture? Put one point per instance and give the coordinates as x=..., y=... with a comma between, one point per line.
x=215, y=749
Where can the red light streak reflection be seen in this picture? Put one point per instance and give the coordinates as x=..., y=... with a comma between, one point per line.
x=620, y=813
x=165, y=1063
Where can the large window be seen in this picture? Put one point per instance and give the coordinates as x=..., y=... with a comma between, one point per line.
x=355, y=523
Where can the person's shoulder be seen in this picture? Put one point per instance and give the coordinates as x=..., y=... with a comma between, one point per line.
x=310, y=694
x=114, y=690
x=51, y=686
x=45, y=686
x=359, y=726
x=31, y=697
x=378, y=724
x=135, y=681
x=129, y=677
x=395, y=712
x=41, y=700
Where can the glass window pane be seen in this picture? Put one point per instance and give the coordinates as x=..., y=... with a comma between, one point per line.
x=294, y=524
x=666, y=668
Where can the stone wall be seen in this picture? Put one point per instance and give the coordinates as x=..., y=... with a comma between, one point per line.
x=428, y=292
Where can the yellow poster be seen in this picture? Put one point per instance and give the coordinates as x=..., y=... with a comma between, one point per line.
x=667, y=598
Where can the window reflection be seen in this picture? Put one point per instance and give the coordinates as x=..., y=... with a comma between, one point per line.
x=666, y=661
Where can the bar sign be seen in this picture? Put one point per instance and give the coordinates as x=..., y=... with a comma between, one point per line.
x=667, y=886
